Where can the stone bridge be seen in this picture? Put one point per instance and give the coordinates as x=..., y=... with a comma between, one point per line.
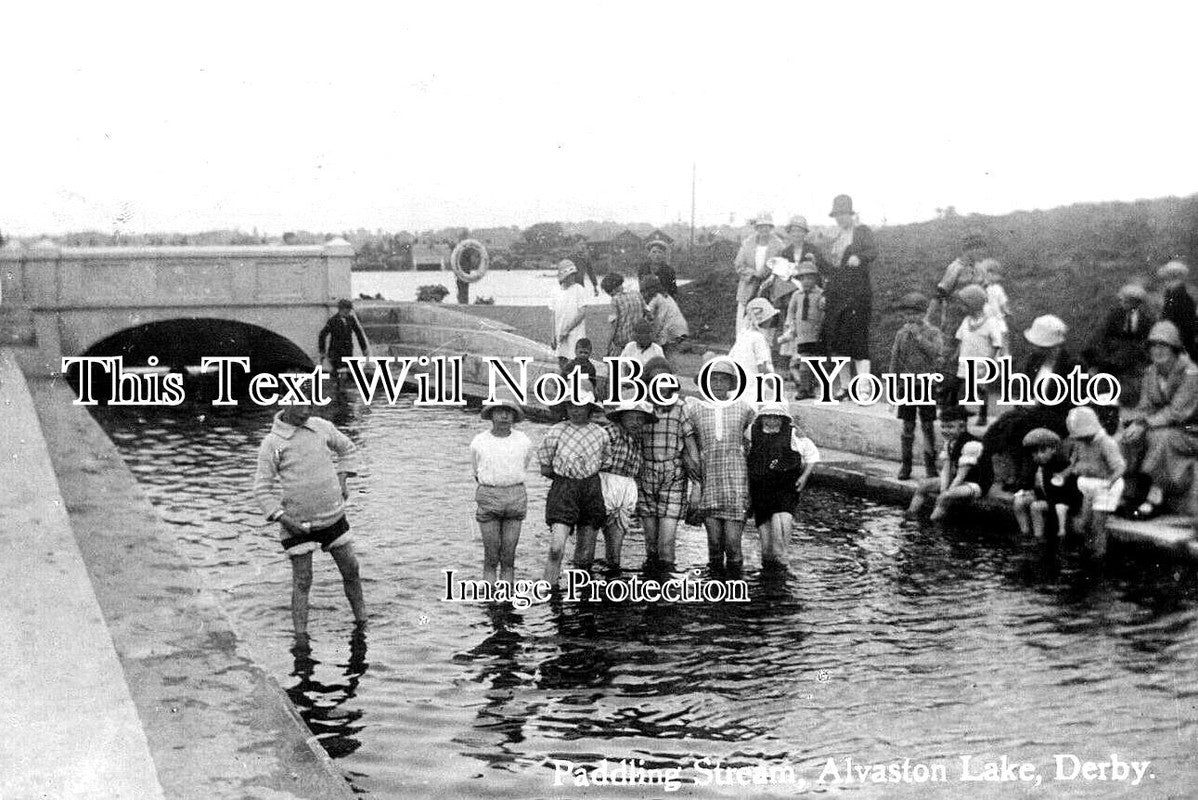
x=176, y=303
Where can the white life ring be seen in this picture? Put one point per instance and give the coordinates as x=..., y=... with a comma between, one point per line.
x=455, y=261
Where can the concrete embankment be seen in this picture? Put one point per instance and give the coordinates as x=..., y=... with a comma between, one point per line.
x=128, y=680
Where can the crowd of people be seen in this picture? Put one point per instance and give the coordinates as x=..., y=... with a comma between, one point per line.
x=728, y=465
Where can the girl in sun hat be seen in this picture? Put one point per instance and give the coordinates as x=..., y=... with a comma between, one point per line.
x=978, y=336
x=1095, y=460
x=569, y=312
x=751, y=349
x=500, y=458
x=619, y=472
x=570, y=455
x=719, y=432
x=780, y=462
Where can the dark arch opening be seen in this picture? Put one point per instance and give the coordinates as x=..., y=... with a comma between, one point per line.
x=180, y=344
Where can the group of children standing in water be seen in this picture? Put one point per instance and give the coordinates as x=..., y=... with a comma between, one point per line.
x=692, y=460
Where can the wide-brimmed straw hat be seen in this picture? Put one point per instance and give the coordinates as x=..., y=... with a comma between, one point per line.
x=1047, y=331
x=774, y=410
x=642, y=406
x=657, y=242
x=1041, y=437
x=761, y=306
x=565, y=268
x=1166, y=333
x=723, y=366
x=502, y=402
x=1082, y=422
x=1174, y=269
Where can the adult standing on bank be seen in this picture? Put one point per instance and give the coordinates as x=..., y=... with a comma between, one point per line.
x=569, y=312
x=848, y=293
x=336, y=339
x=755, y=252
x=303, y=464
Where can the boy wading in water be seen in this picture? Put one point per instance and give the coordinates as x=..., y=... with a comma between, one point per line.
x=500, y=457
x=300, y=483
x=570, y=455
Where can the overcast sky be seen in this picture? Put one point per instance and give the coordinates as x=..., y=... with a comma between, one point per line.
x=414, y=116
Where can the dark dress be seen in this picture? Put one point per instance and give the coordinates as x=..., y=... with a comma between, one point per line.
x=807, y=250
x=664, y=272
x=1120, y=349
x=774, y=468
x=1178, y=308
x=849, y=298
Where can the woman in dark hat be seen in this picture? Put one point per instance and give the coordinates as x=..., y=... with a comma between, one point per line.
x=848, y=293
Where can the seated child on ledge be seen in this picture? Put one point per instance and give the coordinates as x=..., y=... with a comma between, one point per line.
x=966, y=474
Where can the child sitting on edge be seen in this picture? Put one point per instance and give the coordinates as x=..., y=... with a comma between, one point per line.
x=1096, y=461
x=570, y=455
x=979, y=337
x=1037, y=494
x=801, y=334
x=916, y=350
x=642, y=347
x=669, y=326
x=499, y=458
x=964, y=476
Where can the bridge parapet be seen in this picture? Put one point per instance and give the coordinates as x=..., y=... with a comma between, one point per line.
x=44, y=276
x=63, y=300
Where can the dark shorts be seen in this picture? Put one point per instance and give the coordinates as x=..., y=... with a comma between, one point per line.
x=325, y=538
x=576, y=501
x=907, y=413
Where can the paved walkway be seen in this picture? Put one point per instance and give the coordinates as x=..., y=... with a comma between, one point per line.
x=70, y=725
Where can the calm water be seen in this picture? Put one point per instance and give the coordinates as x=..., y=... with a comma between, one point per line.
x=886, y=640
x=514, y=287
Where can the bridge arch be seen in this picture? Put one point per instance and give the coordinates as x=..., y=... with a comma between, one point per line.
x=183, y=342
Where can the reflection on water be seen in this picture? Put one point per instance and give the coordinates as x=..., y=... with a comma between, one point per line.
x=883, y=641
